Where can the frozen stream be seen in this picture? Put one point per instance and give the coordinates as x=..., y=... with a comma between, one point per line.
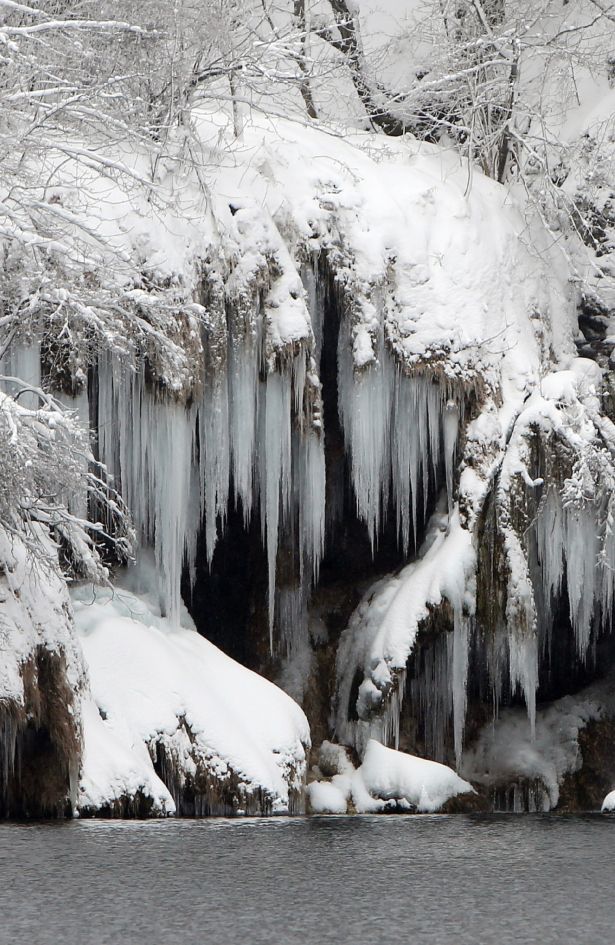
x=531, y=880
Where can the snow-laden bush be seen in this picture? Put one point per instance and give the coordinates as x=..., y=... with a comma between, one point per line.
x=48, y=477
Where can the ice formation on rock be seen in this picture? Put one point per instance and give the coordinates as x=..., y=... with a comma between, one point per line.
x=553, y=514
x=466, y=420
x=173, y=462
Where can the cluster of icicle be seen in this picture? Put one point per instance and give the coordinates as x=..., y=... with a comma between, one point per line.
x=257, y=428
x=575, y=543
x=568, y=545
x=563, y=540
x=175, y=463
x=399, y=431
x=558, y=538
x=437, y=692
x=252, y=431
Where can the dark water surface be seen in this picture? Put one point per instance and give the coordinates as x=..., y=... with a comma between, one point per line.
x=529, y=880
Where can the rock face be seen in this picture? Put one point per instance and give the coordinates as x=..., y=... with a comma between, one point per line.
x=372, y=468
x=41, y=679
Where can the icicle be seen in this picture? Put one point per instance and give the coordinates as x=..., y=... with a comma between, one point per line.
x=581, y=564
x=405, y=459
x=432, y=397
x=392, y=714
x=292, y=619
x=450, y=430
x=365, y=401
x=523, y=669
x=275, y=470
x=311, y=502
x=568, y=541
x=214, y=457
x=243, y=412
x=431, y=695
x=459, y=678
x=299, y=378
x=398, y=434
x=497, y=661
x=550, y=535
x=9, y=731
x=148, y=445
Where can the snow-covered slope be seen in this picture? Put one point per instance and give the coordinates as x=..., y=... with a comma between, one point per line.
x=171, y=721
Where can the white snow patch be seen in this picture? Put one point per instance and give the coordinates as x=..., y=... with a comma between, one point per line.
x=326, y=798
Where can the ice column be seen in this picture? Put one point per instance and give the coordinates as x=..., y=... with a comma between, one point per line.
x=459, y=676
x=275, y=470
x=214, y=457
x=243, y=413
x=22, y=361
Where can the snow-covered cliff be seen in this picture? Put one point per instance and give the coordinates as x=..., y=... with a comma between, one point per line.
x=303, y=353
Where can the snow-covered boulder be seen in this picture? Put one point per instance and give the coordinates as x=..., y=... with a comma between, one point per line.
x=175, y=725
x=326, y=797
x=333, y=759
x=608, y=804
x=424, y=785
x=387, y=780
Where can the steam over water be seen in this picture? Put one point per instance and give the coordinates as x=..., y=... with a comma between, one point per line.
x=532, y=880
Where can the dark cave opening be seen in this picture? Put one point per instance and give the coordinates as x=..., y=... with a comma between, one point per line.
x=37, y=784
x=228, y=601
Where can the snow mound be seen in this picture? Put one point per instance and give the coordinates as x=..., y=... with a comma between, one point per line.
x=387, y=780
x=424, y=785
x=174, y=719
x=608, y=804
x=327, y=798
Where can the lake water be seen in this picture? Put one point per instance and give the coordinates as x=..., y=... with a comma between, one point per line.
x=528, y=880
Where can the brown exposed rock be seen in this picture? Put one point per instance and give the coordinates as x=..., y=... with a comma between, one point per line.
x=40, y=742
